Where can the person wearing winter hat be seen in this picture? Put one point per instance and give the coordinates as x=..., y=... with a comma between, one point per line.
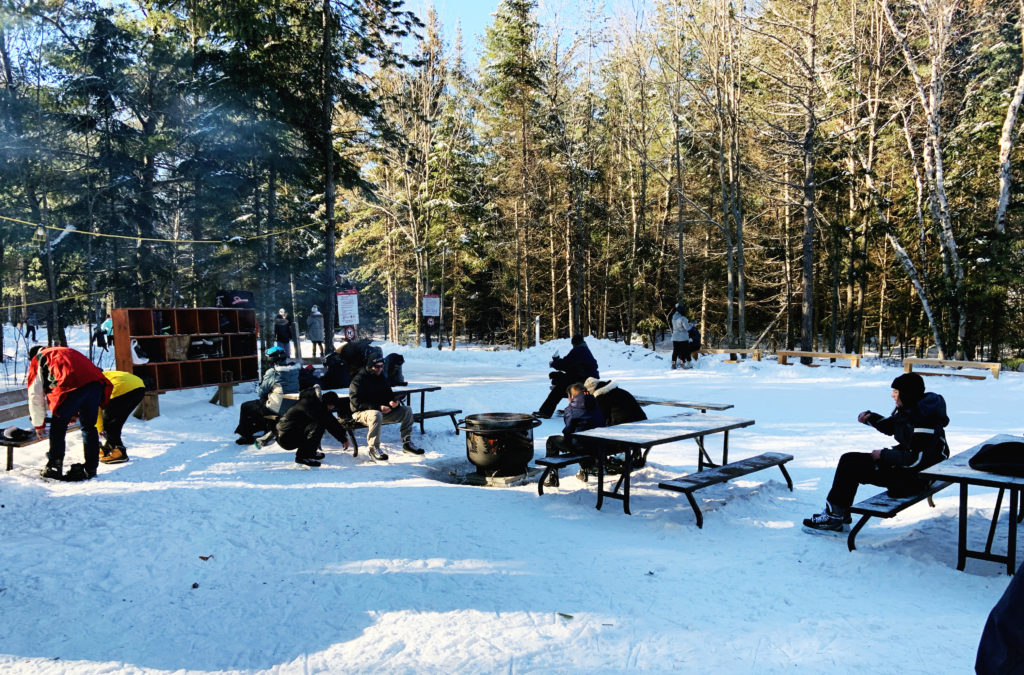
x=302, y=427
x=283, y=332
x=315, y=329
x=576, y=366
x=256, y=417
x=680, y=335
x=918, y=425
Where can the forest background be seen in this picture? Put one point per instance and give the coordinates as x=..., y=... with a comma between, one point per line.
x=839, y=176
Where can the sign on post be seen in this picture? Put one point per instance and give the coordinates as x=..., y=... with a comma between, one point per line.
x=431, y=305
x=348, y=308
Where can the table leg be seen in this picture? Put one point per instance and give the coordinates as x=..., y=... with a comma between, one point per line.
x=995, y=521
x=600, y=479
x=423, y=398
x=961, y=546
x=725, y=448
x=1011, y=536
x=627, y=469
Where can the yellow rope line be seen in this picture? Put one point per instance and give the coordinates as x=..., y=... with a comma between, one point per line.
x=176, y=242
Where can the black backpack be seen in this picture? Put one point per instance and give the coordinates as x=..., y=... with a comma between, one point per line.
x=694, y=335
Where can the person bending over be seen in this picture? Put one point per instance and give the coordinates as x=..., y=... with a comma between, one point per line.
x=65, y=382
x=126, y=396
x=580, y=414
x=917, y=424
x=302, y=427
x=374, y=403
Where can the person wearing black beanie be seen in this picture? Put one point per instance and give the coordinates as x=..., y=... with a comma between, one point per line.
x=918, y=425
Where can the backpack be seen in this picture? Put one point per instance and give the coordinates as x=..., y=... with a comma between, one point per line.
x=694, y=335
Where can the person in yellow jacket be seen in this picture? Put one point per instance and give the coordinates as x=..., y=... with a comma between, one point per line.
x=126, y=397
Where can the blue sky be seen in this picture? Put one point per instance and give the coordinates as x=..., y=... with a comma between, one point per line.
x=474, y=15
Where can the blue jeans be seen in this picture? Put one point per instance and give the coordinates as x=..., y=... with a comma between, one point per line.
x=84, y=402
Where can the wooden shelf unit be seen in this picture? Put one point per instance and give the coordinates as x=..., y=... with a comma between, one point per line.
x=151, y=329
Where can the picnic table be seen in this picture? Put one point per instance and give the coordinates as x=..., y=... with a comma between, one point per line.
x=957, y=469
x=637, y=438
x=406, y=392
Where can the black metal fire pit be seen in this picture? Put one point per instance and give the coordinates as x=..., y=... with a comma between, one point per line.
x=499, y=444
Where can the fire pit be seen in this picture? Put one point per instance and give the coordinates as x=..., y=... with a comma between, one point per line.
x=499, y=444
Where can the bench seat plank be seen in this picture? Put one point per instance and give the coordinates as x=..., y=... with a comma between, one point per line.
x=883, y=505
x=695, y=481
x=992, y=367
x=784, y=356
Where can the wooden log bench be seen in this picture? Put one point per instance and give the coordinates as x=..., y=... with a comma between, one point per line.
x=14, y=406
x=695, y=481
x=784, y=357
x=910, y=362
x=883, y=505
x=734, y=352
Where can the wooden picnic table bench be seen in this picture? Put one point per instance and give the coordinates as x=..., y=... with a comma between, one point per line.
x=14, y=406
x=698, y=405
x=957, y=469
x=910, y=362
x=636, y=439
x=883, y=505
x=695, y=481
x=784, y=357
x=401, y=392
x=733, y=352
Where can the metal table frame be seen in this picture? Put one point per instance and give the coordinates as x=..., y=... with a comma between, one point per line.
x=636, y=439
x=957, y=469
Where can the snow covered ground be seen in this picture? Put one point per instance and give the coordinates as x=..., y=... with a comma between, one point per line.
x=203, y=556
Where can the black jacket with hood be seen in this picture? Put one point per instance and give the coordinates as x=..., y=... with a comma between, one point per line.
x=307, y=419
x=618, y=405
x=919, y=430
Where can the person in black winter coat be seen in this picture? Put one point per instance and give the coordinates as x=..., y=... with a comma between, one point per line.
x=373, y=403
x=580, y=414
x=283, y=332
x=917, y=424
x=1001, y=649
x=576, y=366
x=302, y=427
x=336, y=373
x=617, y=405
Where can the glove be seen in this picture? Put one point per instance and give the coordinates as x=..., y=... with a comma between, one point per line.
x=864, y=417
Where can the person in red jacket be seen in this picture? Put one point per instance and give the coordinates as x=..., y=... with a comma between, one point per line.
x=65, y=382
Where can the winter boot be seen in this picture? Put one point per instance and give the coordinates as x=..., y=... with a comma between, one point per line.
x=78, y=473
x=307, y=461
x=552, y=479
x=116, y=455
x=409, y=448
x=52, y=472
x=376, y=454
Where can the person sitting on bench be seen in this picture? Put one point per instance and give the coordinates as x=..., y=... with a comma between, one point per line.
x=580, y=414
x=302, y=427
x=618, y=407
x=917, y=424
x=373, y=403
x=576, y=366
x=280, y=379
